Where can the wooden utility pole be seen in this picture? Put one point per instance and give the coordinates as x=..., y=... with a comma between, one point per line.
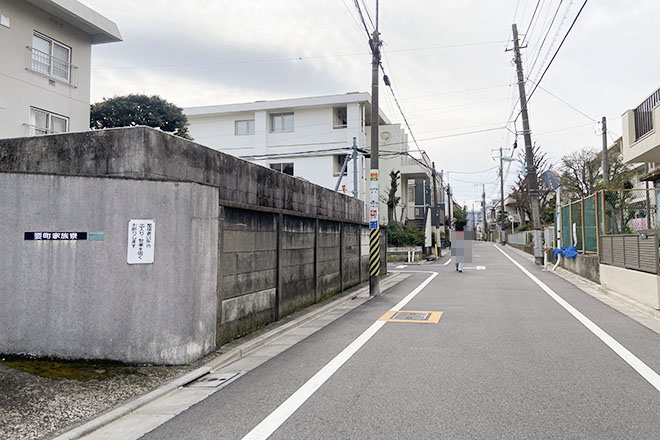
x=501, y=199
x=532, y=186
x=374, y=229
x=483, y=205
x=606, y=166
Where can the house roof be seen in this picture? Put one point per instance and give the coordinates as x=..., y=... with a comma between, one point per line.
x=285, y=104
x=101, y=29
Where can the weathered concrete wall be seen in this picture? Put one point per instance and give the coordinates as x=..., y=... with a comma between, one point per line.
x=145, y=153
x=80, y=299
x=247, y=273
x=237, y=246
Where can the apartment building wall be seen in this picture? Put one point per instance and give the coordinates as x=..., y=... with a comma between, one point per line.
x=21, y=87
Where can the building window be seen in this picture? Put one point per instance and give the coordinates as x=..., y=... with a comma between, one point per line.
x=51, y=57
x=242, y=128
x=45, y=122
x=286, y=168
x=281, y=122
x=340, y=118
x=338, y=163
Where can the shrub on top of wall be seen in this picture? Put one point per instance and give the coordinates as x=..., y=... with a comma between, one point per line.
x=399, y=234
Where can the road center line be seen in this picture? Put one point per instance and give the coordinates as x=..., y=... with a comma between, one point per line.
x=644, y=370
x=270, y=424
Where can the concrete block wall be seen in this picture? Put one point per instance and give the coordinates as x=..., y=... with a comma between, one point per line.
x=247, y=273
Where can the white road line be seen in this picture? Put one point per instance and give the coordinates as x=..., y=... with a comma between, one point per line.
x=644, y=370
x=403, y=266
x=446, y=262
x=270, y=424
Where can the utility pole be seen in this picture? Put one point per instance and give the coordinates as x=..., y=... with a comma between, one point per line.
x=483, y=202
x=606, y=166
x=450, y=204
x=355, y=169
x=436, y=211
x=501, y=199
x=374, y=229
x=529, y=155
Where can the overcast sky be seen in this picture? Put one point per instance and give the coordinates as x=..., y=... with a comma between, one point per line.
x=446, y=60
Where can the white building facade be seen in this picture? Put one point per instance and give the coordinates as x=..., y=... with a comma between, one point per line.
x=310, y=138
x=46, y=63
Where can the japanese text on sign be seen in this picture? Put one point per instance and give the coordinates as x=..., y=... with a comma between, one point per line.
x=141, y=236
x=373, y=200
x=52, y=236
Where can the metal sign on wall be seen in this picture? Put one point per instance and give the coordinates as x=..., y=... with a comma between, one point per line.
x=141, y=241
x=55, y=236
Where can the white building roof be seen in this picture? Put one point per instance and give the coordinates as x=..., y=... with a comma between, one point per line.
x=101, y=29
x=285, y=104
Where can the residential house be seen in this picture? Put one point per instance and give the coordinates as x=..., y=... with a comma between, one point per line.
x=311, y=137
x=641, y=146
x=45, y=70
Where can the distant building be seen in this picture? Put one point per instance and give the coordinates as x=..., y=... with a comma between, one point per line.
x=46, y=63
x=311, y=137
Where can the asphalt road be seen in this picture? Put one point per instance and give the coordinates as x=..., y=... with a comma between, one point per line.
x=505, y=360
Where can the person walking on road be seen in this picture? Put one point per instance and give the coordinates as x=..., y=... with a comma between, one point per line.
x=461, y=244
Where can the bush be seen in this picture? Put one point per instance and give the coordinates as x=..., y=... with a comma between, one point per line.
x=399, y=234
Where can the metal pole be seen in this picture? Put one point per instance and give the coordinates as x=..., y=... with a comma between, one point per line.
x=483, y=198
x=502, y=199
x=374, y=229
x=355, y=170
x=529, y=155
x=436, y=211
x=606, y=166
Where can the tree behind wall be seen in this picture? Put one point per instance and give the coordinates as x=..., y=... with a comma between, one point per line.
x=132, y=110
x=519, y=192
x=392, y=199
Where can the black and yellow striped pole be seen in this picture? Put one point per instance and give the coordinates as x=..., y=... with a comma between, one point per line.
x=374, y=229
x=374, y=252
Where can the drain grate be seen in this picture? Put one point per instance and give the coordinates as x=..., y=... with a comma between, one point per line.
x=416, y=316
x=212, y=380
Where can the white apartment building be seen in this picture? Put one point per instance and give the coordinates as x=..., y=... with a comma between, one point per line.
x=46, y=63
x=310, y=137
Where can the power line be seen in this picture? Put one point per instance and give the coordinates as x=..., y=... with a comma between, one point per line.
x=557, y=51
x=532, y=20
x=545, y=37
x=357, y=6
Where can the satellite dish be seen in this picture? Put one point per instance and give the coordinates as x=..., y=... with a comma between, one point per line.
x=551, y=180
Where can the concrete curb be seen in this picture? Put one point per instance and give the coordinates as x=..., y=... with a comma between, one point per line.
x=222, y=360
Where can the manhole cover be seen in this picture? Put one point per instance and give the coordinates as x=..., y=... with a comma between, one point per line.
x=212, y=380
x=416, y=316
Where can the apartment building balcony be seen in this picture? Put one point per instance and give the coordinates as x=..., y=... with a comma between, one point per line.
x=641, y=136
x=55, y=66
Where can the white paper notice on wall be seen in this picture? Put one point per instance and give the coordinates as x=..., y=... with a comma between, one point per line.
x=141, y=241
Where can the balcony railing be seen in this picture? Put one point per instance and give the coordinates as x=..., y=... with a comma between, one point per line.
x=644, y=115
x=34, y=130
x=52, y=67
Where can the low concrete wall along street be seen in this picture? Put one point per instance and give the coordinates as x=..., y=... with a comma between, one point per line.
x=235, y=246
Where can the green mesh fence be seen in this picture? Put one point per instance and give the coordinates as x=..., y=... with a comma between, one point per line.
x=565, y=226
x=590, y=226
x=576, y=216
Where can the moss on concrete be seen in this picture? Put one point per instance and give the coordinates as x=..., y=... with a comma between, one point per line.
x=79, y=370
